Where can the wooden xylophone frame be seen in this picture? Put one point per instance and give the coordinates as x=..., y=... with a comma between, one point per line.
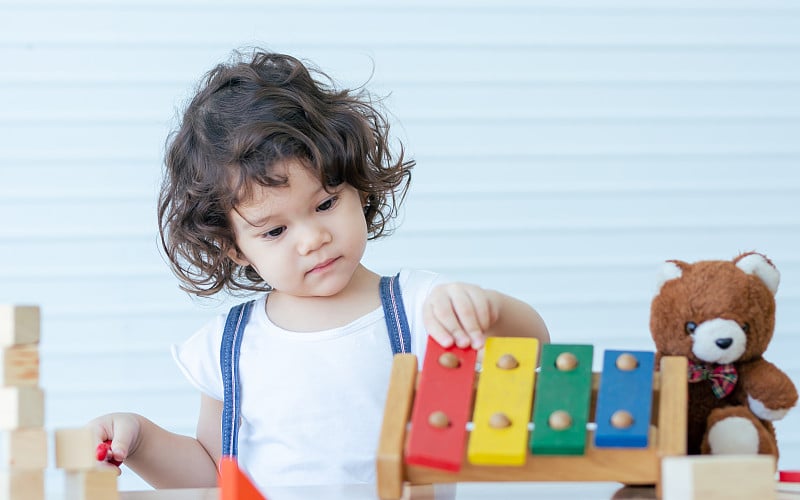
x=631, y=466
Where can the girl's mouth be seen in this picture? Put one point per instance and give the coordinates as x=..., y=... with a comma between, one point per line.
x=322, y=266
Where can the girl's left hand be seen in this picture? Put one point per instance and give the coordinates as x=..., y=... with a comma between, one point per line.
x=460, y=313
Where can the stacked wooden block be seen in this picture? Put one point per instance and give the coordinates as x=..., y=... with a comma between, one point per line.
x=76, y=454
x=23, y=440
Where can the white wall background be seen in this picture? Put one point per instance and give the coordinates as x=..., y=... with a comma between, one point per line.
x=566, y=148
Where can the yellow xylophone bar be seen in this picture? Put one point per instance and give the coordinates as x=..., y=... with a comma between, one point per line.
x=503, y=402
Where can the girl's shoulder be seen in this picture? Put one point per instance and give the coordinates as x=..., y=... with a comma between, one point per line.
x=210, y=333
x=198, y=356
x=419, y=282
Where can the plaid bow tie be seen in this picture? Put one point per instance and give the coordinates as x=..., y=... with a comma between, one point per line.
x=723, y=377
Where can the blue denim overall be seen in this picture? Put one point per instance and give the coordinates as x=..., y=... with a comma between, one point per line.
x=396, y=323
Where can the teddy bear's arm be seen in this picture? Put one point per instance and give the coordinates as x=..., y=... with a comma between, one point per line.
x=770, y=392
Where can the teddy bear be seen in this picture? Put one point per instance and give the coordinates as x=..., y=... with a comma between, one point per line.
x=720, y=315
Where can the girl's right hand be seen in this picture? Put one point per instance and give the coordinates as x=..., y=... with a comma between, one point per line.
x=123, y=430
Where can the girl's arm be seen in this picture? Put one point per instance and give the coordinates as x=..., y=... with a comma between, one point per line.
x=517, y=319
x=162, y=458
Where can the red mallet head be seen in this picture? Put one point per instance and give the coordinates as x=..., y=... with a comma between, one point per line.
x=104, y=453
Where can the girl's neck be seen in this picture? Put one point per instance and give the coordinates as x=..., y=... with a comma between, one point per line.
x=308, y=314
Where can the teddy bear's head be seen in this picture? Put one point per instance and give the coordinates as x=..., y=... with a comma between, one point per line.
x=715, y=311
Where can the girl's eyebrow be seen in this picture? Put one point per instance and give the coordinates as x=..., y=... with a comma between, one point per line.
x=259, y=223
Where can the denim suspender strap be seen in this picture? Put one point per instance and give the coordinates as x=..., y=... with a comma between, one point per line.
x=395, y=314
x=229, y=363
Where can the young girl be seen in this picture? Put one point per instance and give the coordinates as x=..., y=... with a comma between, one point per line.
x=274, y=182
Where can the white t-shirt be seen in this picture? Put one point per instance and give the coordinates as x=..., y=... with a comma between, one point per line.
x=312, y=402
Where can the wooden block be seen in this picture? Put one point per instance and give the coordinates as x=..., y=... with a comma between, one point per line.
x=445, y=392
x=97, y=484
x=21, y=407
x=75, y=449
x=673, y=400
x=22, y=484
x=19, y=365
x=397, y=410
x=23, y=449
x=19, y=325
x=624, y=400
x=234, y=484
x=718, y=477
x=503, y=402
x=563, y=395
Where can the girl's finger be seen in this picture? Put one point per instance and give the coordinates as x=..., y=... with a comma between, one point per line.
x=443, y=313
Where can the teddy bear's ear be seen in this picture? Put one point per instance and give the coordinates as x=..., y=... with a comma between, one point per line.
x=760, y=266
x=670, y=270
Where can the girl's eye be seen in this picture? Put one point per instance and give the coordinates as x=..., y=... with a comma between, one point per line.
x=327, y=204
x=274, y=233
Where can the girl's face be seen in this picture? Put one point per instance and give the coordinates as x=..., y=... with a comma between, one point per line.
x=301, y=239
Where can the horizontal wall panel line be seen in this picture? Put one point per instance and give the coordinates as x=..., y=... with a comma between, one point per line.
x=89, y=196
x=57, y=313
x=633, y=300
x=572, y=7
x=74, y=234
x=124, y=162
x=49, y=158
x=628, y=264
x=549, y=308
x=49, y=276
x=512, y=7
x=132, y=348
x=176, y=86
x=467, y=228
x=616, y=187
x=625, y=156
x=443, y=191
x=19, y=79
x=431, y=117
x=602, y=44
x=53, y=390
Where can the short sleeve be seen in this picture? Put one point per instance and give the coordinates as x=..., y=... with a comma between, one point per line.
x=198, y=358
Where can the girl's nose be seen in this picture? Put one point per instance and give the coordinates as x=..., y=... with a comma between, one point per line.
x=312, y=237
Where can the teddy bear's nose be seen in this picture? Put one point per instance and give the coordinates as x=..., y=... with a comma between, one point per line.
x=724, y=343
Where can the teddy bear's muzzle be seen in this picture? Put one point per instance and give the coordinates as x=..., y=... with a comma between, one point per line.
x=719, y=341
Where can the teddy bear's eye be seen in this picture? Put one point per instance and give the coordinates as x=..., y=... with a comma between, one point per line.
x=690, y=327
x=746, y=327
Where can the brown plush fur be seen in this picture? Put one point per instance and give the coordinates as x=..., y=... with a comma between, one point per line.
x=704, y=291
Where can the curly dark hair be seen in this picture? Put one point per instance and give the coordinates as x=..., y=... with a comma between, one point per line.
x=248, y=115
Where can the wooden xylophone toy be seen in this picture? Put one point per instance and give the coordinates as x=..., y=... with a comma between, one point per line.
x=509, y=421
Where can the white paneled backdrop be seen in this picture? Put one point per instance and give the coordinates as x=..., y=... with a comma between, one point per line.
x=565, y=149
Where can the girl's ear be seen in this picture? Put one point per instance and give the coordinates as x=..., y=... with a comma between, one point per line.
x=364, y=197
x=235, y=255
